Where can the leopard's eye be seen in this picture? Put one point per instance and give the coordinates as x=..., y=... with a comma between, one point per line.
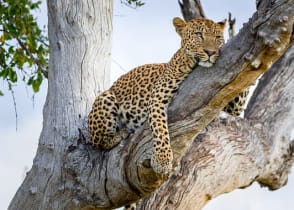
x=199, y=34
x=218, y=37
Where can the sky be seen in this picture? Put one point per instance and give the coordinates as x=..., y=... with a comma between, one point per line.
x=140, y=36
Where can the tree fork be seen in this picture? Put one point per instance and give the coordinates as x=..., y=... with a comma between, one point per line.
x=69, y=174
x=128, y=178
x=233, y=153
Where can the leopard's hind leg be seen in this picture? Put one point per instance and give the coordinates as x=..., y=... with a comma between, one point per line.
x=103, y=122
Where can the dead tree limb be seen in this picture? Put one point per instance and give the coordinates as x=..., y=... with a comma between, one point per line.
x=191, y=9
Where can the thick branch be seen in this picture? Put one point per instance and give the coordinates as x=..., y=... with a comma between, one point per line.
x=232, y=152
x=120, y=180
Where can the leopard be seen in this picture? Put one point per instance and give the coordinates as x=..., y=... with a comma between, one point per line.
x=236, y=106
x=144, y=93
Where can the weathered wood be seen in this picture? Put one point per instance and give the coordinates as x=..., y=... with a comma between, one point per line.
x=191, y=9
x=232, y=152
x=130, y=177
x=186, y=190
x=77, y=34
x=69, y=174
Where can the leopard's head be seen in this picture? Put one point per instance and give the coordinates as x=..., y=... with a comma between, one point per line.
x=201, y=39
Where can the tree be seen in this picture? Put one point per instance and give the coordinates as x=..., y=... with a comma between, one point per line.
x=72, y=64
x=68, y=173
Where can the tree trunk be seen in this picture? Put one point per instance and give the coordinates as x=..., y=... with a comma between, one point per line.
x=69, y=174
x=79, y=67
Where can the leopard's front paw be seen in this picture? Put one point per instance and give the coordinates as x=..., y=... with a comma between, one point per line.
x=161, y=162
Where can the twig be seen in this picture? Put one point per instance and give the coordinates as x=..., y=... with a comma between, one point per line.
x=15, y=109
x=231, y=26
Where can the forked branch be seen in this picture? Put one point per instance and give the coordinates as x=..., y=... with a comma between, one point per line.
x=201, y=97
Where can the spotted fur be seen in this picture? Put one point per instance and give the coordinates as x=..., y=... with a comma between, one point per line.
x=130, y=206
x=237, y=105
x=145, y=92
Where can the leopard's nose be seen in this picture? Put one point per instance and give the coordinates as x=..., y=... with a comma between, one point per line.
x=210, y=52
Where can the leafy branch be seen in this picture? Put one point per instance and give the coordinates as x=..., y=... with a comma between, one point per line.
x=24, y=47
x=133, y=3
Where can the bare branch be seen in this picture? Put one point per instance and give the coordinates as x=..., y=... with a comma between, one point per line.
x=191, y=9
x=211, y=166
x=231, y=25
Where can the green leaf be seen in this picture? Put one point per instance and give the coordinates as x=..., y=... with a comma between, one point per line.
x=1, y=93
x=36, y=85
x=4, y=73
x=11, y=28
x=134, y=3
x=12, y=75
x=11, y=50
x=30, y=81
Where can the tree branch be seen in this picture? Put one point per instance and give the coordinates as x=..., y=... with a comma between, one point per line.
x=231, y=22
x=191, y=9
x=35, y=60
x=245, y=57
x=232, y=152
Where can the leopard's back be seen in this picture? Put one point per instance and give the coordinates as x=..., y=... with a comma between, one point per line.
x=133, y=91
x=124, y=105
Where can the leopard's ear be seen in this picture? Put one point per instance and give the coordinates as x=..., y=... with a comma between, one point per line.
x=222, y=23
x=179, y=24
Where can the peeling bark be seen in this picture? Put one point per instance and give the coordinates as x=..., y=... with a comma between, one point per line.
x=69, y=174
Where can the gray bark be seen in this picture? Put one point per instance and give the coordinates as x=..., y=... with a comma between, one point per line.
x=259, y=144
x=79, y=67
x=191, y=9
x=233, y=153
x=69, y=174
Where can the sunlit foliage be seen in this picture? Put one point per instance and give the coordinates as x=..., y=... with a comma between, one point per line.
x=23, y=45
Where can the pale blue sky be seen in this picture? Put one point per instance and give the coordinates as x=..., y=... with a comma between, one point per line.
x=145, y=35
